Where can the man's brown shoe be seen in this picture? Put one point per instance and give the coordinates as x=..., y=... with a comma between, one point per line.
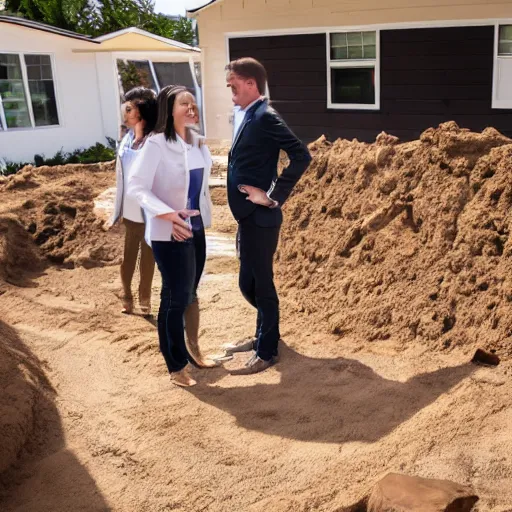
x=254, y=365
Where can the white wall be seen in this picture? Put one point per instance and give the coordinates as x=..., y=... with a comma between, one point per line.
x=108, y=87
x=77, y=91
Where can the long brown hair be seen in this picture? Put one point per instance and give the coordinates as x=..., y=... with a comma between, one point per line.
x=145, y=101
x=165, y=102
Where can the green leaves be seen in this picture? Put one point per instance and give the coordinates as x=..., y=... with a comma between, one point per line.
x=96, y=18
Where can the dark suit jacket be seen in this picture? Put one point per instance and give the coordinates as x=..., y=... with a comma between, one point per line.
x=253, y=160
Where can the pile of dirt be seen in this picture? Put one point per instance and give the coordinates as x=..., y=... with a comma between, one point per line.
x=406, y=242
x=17, y=251
x=56, y=206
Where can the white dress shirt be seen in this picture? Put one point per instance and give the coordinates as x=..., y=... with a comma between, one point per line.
x=239, y=116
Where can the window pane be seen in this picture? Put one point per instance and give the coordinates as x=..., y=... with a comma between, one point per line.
x=10, y=68
x=32, y=60
x=339, y=39
x=506, y=32
x=369, y=38
x=339, y=53
x=42, y=91
x=44, y=104
x=355, y=52
x=47, y=72
x=353, y=85
x=134, y=74
x=370, y=52
x=354, y=45
x=174, y=73
x=34, y=72
x=355, y=38
x=505, y=49
x=13, y=103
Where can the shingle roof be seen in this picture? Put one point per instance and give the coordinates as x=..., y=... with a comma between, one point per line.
x=45, y=28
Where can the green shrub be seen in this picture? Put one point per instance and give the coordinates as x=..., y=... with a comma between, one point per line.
x=92, y=155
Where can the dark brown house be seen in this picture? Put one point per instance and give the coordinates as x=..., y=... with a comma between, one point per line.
x=353, y=69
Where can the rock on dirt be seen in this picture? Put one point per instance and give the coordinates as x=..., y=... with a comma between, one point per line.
x=402, y=493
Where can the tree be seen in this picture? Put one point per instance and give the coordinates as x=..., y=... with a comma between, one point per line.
x=95, y=17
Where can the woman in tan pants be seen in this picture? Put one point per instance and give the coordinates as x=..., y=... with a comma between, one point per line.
x=140, y=112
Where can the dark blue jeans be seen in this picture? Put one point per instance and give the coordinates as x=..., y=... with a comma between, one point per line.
x=257, y=246
x=181, y=265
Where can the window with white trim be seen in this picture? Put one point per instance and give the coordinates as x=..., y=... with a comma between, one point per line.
x=27, y=92
x=502, y=81
x=353, y=70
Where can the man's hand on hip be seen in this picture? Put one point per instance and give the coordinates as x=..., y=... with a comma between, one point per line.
x=257, y=196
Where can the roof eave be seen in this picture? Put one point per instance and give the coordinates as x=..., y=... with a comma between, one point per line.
x=21, y=22
x=192, y=13
x=135, y=30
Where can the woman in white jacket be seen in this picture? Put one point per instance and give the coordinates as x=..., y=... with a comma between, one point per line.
x=170, y=182
x=139, y=112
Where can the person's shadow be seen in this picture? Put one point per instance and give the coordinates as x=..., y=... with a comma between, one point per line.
x=37, y=472
x=326, y=400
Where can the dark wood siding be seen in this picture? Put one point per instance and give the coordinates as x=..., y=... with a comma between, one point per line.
x=428, y=76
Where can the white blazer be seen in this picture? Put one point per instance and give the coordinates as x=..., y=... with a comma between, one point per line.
x=159, y=181
x=125, y=206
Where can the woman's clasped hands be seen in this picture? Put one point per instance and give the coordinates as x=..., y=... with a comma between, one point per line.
x=181, y=229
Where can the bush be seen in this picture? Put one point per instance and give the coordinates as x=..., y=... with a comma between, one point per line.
x=92, y=155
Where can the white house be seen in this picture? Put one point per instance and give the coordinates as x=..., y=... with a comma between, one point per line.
x=61, y=90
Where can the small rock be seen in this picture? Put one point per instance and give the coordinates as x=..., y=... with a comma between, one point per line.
x=402, y=493
x=483, y=357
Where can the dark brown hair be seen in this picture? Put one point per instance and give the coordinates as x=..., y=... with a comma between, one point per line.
x=248, y=68
x=165, y=102
x=145, y=100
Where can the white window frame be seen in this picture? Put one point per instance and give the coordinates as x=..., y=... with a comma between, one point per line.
x=496, y=103
x=28, y=97
x=353, y=64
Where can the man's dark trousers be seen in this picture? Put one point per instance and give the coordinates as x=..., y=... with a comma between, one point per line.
x=257, y=248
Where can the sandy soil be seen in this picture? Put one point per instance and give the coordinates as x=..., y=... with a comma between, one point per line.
x=99, y=426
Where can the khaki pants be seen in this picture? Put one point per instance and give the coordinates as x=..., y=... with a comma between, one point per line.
x=133, y=241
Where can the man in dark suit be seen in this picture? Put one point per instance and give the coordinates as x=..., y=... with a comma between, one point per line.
x=256, y=195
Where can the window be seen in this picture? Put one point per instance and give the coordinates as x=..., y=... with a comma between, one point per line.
x=169, y=73
x=505, y=40
x=13, y=102
x=27, y=93
x=502, y=80
x=154, y=75
x=42, y=92
x=353, y=70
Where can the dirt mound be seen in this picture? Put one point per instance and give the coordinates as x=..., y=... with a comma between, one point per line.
x=407, y=242
x=17, y=251
x=56, y=206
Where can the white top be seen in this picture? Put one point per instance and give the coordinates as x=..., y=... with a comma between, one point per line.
x=195, y=158
x=239, y=116
x=159, y=181
x=125, y=206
